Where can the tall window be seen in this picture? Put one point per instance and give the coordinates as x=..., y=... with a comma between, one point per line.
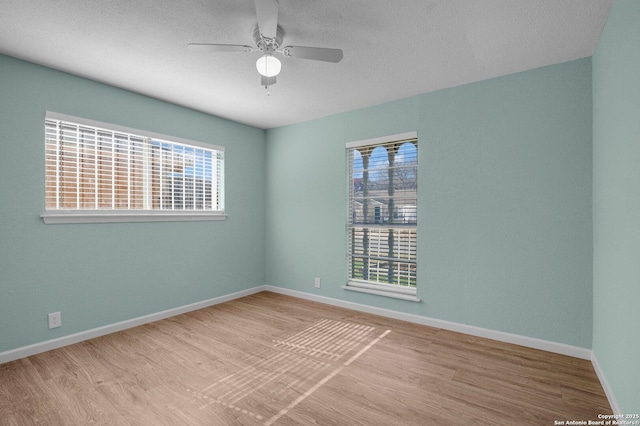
x=383, y=203
x=96, y=169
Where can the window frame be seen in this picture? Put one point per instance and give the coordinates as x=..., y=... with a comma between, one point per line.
x=67, y=216
x=368, y=286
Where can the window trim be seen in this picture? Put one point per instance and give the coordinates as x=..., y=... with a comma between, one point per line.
x=380, y=289
x=388, y=290
x=382, y=139
x=68, y=216
x=59, y=217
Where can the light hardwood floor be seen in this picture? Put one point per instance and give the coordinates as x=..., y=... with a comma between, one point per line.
x=273, y=359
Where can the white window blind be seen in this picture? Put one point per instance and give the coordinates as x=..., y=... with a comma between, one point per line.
x=383, y=215
x=96, y=167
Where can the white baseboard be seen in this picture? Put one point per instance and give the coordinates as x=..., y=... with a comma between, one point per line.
x=605, y=385
x=432, y=322
x=48, y=345
x=529, y=342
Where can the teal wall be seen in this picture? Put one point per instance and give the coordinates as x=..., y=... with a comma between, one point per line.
x=105, y=273
x=616, y=203
x=505, y=225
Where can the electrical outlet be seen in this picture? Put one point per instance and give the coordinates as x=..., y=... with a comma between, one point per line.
x=316, y=282
x=55, y=320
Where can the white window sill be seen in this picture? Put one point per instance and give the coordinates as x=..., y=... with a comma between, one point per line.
x=110, y=216
x=401, y=293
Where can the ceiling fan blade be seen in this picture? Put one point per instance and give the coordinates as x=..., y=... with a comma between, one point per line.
x=267, y=81
x=267, y=11
x=208, y=47
x=315, y=53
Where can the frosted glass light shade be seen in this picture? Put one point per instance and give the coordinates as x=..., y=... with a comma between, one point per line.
x=268, y=65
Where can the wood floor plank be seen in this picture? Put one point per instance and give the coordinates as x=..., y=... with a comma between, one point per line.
x=270, y=359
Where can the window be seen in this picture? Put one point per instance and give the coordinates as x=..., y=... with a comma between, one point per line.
x=96, y=172
x=383, y=213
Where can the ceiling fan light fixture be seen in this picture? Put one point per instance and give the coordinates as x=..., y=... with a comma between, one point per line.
x=268, y=65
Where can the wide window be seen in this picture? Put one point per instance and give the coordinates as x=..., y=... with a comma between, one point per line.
x=96, y=172
x=383, y=215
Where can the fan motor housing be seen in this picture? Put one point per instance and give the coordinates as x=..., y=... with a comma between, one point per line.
x=265, y=43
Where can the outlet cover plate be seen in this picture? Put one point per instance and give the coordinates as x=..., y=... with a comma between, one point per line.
x=55, y=320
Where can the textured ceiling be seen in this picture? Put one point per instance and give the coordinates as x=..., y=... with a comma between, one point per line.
x=392, y=49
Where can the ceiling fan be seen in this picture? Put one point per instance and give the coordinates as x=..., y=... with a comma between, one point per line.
x=268, y=38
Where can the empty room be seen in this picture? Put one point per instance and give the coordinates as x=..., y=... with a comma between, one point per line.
x=296, y=212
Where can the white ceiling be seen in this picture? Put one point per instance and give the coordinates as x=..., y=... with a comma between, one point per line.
x=392, y=49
